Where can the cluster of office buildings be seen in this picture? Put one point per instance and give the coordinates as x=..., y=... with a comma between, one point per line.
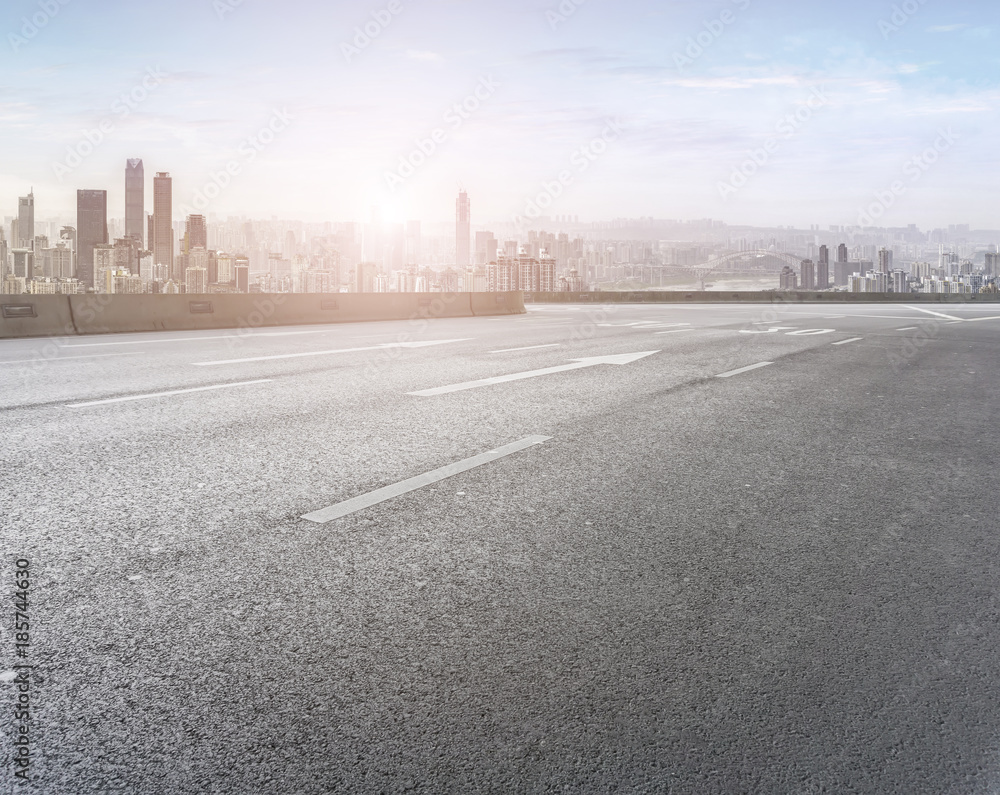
x=950, y=275
x=154, y=252
x=149, y=253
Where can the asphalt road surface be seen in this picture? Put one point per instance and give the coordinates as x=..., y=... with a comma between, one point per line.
x=783, y=580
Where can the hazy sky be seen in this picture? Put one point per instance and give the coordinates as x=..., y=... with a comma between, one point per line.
x=874, y=85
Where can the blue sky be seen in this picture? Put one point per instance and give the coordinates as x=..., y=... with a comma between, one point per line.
x=887, y=83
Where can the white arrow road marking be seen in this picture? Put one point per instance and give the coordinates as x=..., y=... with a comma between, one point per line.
x=731, y=373
x=932, y=312
x=412, y=484
x=578, y=364
x=384, y=346
x=166, y=394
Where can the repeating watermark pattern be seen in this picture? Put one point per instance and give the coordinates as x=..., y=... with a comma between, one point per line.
x=901, y=14
x=260, y=315
x=786, y=128
x=580, y=160
x=223, y=8
x=248, y=150
x=594, y=318
x=365, y=34
x=417, y=324
x=927, y=331
x=92, y=139
x=23, y=704
x=914, y=168
x=561, y=13
x=54, y=345
x=426, y=146
x=714, y=29
x=264, y=308
x=33, y=25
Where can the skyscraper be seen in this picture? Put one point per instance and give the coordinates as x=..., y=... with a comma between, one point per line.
x=807, y=279
x=68, y=234
x=26, y=221
x=823, y=269
x=992, y=264
x=162, y=244
x=463, y=230
x=412, y=242
x=486, y=248
x=196, y=233
x=884, y=260
x=135, y=200
x=91, y=230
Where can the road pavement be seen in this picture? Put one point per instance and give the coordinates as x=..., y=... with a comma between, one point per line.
x=630, y=548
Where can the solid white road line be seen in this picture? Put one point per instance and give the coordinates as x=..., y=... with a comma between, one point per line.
x=412, y=484
x=977, y=319
x=731, y=373
x=241, y=336
x=626, y=358
x=937, y=314
x=675, y=331
x=287, y=333
x=529, y=348
x=146, y=342
x=907, y=328
x=165, y=394
x=854, y=315
x=384, y=346
x=67, y=358
x=844, y=342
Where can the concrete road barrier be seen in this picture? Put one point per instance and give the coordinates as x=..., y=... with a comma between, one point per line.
x=484, y=304
x=35, y=316
x=55, y=315
x=765, y=297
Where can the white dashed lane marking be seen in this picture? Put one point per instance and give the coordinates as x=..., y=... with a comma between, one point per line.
x=356, y=504
x=742, y=370
x=152, y=395
x=529, y=348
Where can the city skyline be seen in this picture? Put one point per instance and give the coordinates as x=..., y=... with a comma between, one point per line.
x=754, y=113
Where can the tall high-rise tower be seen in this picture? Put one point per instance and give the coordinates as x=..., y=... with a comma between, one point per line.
x=884, y=260
x=91, y=230
x=196, y=233
x=842, y=268
x=162, y=244
x=135, y=201
x=463, y=231
x=26, y=221
x=823, y=269
x=807, y=277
